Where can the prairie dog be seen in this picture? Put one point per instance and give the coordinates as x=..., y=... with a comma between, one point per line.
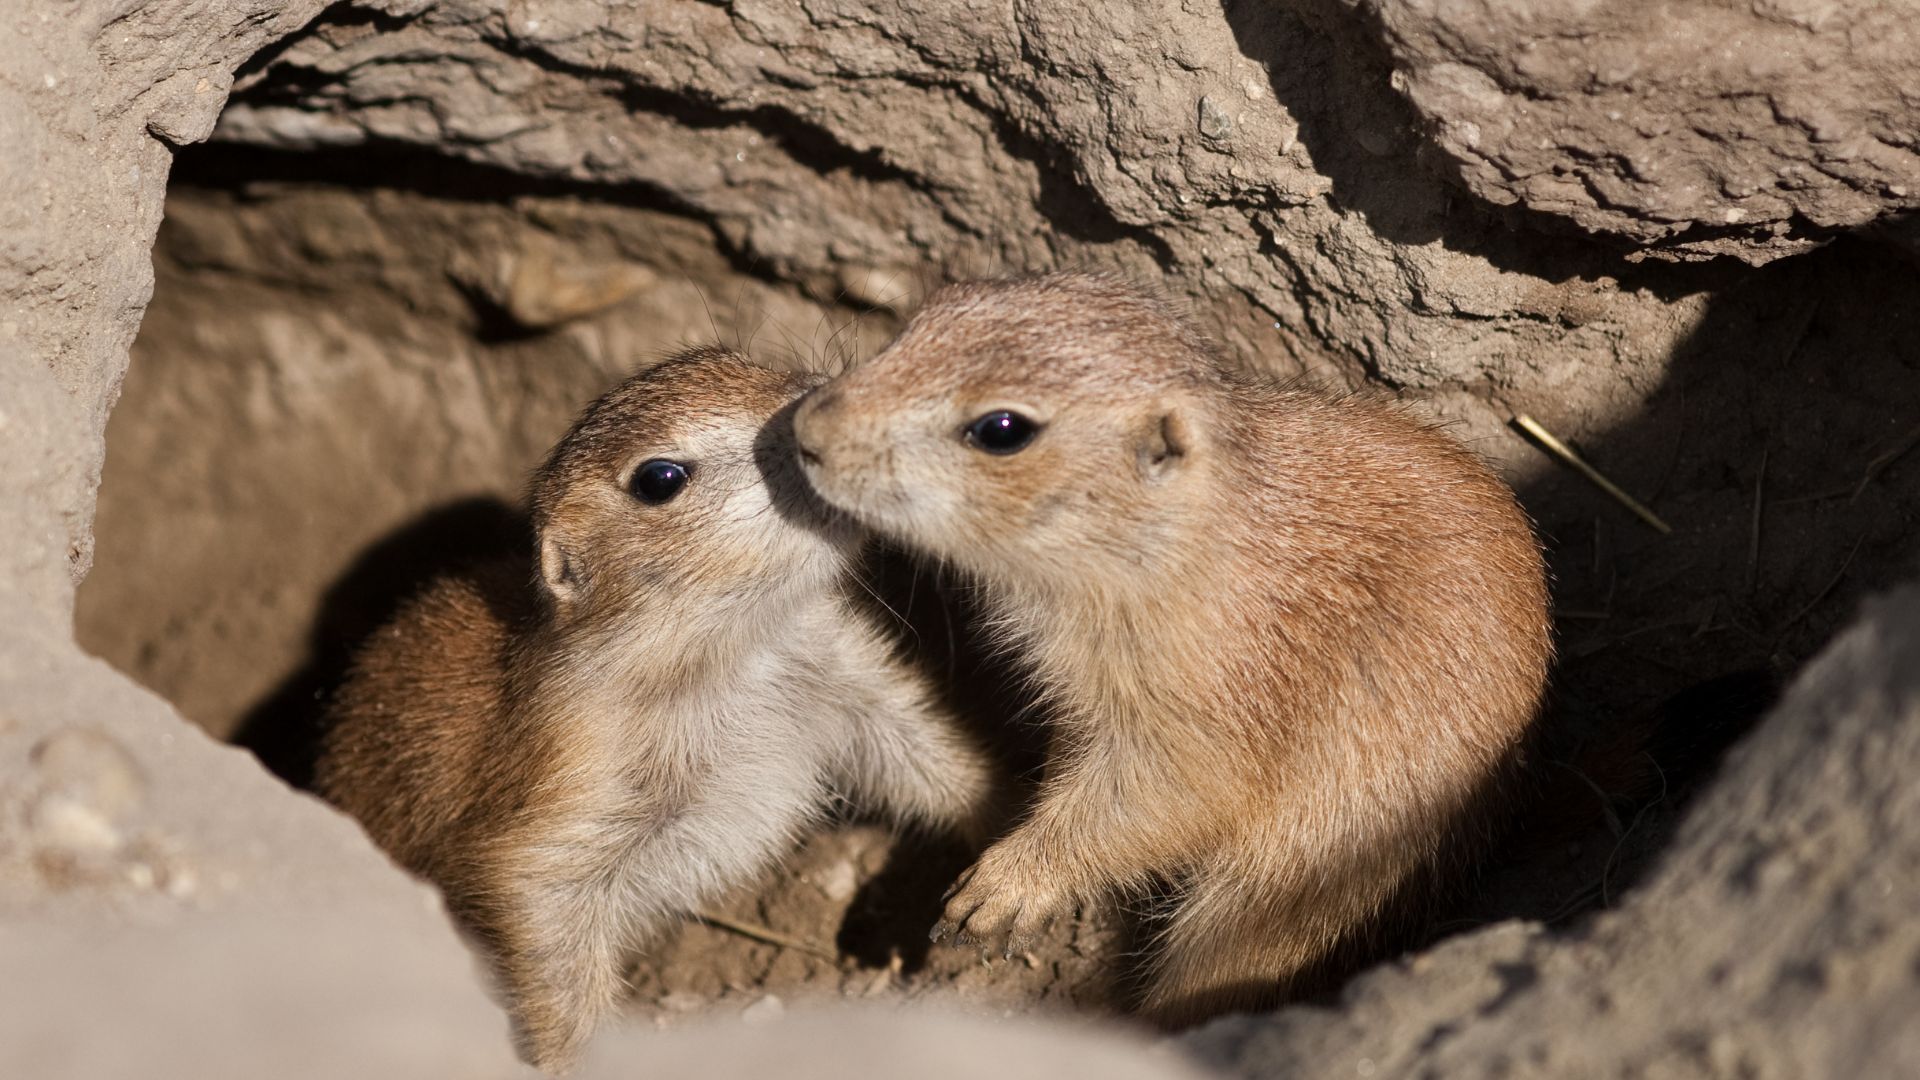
x=1291, y=641
x=580, y=753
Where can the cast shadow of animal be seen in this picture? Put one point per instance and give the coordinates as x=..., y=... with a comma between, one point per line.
x=1777, y=446
x=938, y=625
x=936, y=628
x=284, y=730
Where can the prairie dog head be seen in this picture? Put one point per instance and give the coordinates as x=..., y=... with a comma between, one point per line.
x=1016, y=428
x=677, y=489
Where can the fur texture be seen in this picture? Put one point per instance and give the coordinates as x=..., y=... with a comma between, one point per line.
x=581, y=754
x=1290, y=641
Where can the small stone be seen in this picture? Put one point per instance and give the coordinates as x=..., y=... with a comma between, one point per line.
x=679, y=1001
x=67, y=826
x=1380, y=145
x=91, y=768
x=838, y=882
x=1214, y=122
x=765, y=1011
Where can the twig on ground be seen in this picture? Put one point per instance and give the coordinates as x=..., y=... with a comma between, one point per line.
x=765, y=936
x=1878, y=465
x=1868, y=475
x=1565, y=453
x=1822, y=594
x=1759, y=511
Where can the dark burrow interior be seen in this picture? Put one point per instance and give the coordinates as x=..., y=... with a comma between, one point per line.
x=351, y=362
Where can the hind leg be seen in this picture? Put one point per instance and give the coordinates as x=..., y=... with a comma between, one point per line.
x=1250, y=933
x=557, y=947
x=1219, y=954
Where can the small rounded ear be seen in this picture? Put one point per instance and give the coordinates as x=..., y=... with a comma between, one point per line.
x=560, y=572
x=1164, y=443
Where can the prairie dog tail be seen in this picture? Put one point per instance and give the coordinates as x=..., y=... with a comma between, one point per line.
x=1258, y=926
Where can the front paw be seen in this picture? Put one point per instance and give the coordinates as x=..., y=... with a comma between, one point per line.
x=998, y=911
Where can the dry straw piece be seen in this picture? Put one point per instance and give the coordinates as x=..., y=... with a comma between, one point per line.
x=764, y=935
x=1565, y=453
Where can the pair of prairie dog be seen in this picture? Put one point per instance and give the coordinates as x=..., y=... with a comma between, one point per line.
x=1289, y=644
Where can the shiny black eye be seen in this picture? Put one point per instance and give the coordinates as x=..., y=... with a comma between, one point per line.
x=656, y=481
x=1002, y=432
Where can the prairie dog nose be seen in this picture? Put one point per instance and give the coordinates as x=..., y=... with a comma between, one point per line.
x=809, y=421
x=826, y=400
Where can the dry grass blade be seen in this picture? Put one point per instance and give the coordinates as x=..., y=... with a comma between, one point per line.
x=1867, y=476
x=1878, y=465
x=1565, y=453
x=1831, y=584
x=765, y=936
x=1759, y=511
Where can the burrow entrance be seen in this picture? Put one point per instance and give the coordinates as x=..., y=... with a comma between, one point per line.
x=351, y=362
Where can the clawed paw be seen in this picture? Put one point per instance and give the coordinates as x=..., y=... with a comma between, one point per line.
x=995, y=915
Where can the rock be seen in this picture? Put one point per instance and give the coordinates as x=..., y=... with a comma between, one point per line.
x=162, y=880
x=1255, y=160
x=765, y=1010
x=539, y=288
x=166, y=908
x=1777, y=938
x=1746, y=130
x=830, y=1044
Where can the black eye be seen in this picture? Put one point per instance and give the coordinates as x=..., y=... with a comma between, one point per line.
x=1002, y=432
x=656, y=481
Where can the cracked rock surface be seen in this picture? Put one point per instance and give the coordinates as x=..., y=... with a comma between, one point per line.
x=1750, y=130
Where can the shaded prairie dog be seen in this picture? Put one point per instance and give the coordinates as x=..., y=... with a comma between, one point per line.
x=1291, y=640
x=579, y=755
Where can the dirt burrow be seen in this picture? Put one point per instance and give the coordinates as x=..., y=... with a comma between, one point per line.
x=428, y=231
x=339, y=394
x=344, y=378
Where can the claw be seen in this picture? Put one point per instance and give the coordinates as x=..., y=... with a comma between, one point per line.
x=958, y=884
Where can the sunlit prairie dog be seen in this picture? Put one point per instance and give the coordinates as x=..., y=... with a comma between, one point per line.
x=579, y=755
x=1291, y=640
